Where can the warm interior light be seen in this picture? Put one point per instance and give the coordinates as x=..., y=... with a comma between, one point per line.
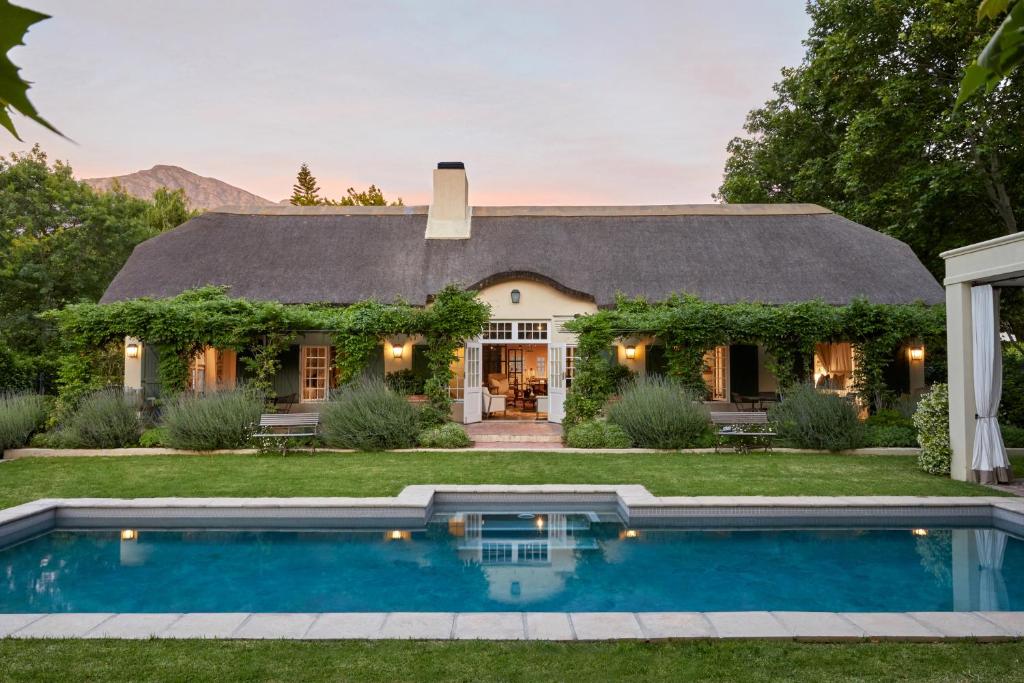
x=396, y=535
x=132, y=350
x=396, y=350
x=129, y=534
x=540, y=522
x=917, y=353
x=631, y=533
x=919, y=532
x=630, y=352
x=515, y=296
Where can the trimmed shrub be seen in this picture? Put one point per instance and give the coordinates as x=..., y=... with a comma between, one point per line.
x=808, y=418
x=218, y=420
x=20, y=416
x=597, y=434
x=890, y=417
x=881, y=436
x=658, y=412
x=932, y=422
x=448, y=435
x=107, y=418
x=405, y=382
x=1013, y=437
x=154, y=437
x=367, y=416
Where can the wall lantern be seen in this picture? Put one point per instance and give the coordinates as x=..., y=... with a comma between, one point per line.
x=396, y=350
x=131, y=350
x=630, y=352
x=515, y=296
x=917, y=353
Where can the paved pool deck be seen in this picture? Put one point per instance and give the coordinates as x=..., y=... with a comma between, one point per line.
x=545, y=626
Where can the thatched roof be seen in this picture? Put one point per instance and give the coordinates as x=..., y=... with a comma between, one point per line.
x=770, y=253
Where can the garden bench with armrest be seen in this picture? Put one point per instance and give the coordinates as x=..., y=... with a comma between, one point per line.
x=288, y=426
x=749, y=429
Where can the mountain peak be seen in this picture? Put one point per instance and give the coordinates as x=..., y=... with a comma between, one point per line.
x=201, y=192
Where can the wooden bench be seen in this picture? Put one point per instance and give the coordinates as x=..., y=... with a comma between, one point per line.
x=751, y=429
x=285, y=426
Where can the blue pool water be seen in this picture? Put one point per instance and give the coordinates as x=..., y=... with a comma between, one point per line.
x=546, y=562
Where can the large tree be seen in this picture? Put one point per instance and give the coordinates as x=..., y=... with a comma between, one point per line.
x=305, y=191
x=61, y=242
x=866, y=126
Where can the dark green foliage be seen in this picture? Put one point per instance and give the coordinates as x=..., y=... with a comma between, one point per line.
x=14, y=24
x=812, y=419
x=865, y=126
x=305, y=191
x=107, y=418
x=1013, y=436
x=20, y=416
x=1011, y=406
x=448, y=435
x=155, y=437
x=659, y=412
x=597, y=434
x=405, y=382
x=367, y=416
x=890, y=417
x=1002, y=54
x=61, y=243
x=213, y=421
x=15, y=370
x=882, y=436
x=689, y=327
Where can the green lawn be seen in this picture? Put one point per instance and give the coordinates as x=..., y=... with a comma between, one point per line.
x=385, y=474
x=106, y=660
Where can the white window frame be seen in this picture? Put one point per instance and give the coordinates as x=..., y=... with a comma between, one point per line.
x=521, y=332
x=319, y=393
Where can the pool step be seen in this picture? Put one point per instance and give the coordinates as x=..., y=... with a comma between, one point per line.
x=513, y=434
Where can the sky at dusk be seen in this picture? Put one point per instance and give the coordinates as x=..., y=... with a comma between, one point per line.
x=558, y=102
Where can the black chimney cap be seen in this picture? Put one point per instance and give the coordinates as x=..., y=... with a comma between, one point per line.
x=451, y=164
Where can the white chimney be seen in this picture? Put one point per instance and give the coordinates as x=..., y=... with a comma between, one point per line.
x=449, y=214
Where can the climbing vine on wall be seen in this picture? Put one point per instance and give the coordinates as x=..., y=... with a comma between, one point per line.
x=260, y=331
x=690, y=327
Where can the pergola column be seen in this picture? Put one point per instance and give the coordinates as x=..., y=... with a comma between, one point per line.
x=960, y=359
x=999, y=262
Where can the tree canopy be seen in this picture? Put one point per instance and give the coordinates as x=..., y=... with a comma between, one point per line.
x=61, y=243
x=865, y=126
x=306, y=192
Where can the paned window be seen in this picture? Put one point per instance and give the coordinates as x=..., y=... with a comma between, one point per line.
x=315, y=371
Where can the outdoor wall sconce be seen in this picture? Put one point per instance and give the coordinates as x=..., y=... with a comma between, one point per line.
x=131, y=350
x=630, y=352
x=515, y=296
x=396, y=351
x=916, y=353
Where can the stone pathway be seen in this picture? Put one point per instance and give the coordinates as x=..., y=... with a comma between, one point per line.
x=492, y=434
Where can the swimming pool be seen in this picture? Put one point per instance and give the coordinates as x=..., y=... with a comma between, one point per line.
x=522, y=560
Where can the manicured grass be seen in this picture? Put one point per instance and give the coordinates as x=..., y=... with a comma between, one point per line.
x=106, y=660
x=385, y=474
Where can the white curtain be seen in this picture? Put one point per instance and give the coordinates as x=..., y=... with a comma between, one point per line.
x=991, y=545
x=990, y=463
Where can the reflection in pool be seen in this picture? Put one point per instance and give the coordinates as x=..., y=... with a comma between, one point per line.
x=537, y=561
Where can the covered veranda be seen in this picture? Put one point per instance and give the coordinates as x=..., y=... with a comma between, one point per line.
x=975, y=274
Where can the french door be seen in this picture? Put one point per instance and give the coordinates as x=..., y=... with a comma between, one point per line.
x=472, y=407
x=556, y=382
